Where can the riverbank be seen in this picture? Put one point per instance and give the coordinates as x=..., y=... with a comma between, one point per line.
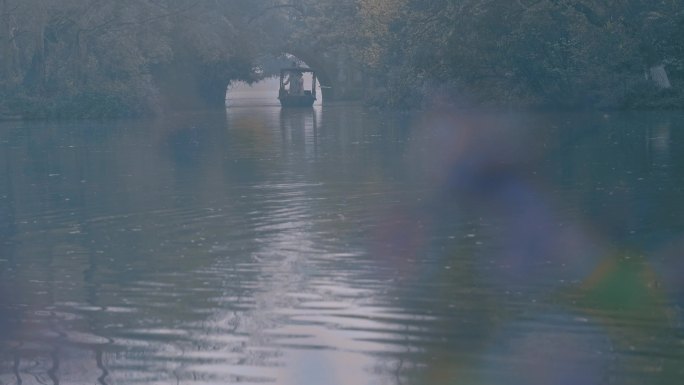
x=85, y=105
x=101, y=105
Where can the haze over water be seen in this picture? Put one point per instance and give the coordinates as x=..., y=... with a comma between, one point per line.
x=334, y=245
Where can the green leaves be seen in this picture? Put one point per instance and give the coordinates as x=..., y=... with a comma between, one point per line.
x=545, y=52
x=541, y=52
x=54, y=51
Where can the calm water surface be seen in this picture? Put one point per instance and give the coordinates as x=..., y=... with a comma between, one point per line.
x=338, y=246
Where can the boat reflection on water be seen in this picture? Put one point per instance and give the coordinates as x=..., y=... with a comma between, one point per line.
x=299, y=127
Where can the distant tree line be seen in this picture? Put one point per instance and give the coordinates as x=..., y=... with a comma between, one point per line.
x=98, y=58
x=547, y=53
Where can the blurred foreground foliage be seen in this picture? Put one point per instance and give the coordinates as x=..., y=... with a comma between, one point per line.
x=87, y=58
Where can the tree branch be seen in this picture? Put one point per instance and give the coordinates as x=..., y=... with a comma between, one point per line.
x=273, y=7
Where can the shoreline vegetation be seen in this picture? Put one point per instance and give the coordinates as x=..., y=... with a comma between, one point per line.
x=92, y=59
x=102, y=105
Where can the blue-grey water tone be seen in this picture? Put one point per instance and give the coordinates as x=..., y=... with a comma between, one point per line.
x=335, y=245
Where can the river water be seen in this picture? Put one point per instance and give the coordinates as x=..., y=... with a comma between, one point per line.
x=335, y=245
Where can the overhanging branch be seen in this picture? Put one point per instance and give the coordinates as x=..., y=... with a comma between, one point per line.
x=274, y=7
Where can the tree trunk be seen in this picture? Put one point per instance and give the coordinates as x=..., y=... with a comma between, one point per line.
x=8, y=54
x=35, y=76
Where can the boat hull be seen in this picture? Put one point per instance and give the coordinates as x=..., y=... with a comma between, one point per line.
x=297, y=100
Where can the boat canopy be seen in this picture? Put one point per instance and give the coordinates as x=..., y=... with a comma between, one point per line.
x=295, y=95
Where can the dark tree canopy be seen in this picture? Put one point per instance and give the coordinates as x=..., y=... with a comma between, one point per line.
x=99, y=58
x=109, y=58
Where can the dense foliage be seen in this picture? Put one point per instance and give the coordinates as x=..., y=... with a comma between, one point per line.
x=98, y=58
x=527, y=52
x=95, y=58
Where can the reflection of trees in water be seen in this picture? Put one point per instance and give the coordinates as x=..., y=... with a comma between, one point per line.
x=529, y=247
x=456, y=244
x=7, y=234
x=86, y=208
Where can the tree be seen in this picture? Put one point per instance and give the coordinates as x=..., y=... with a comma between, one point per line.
x=540, y=52
x=66, y=58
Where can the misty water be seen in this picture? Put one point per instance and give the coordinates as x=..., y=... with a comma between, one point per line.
x=336, y=245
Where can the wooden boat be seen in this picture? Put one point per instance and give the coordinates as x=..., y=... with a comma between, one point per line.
x=295, y=95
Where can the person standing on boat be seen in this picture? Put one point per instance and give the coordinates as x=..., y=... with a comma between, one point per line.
x=296, y=82
x=300, y=83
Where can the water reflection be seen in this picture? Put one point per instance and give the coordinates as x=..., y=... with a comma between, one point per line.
x=533, y=252
x=333, y=245
x=299, y=127
x=530, y=352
